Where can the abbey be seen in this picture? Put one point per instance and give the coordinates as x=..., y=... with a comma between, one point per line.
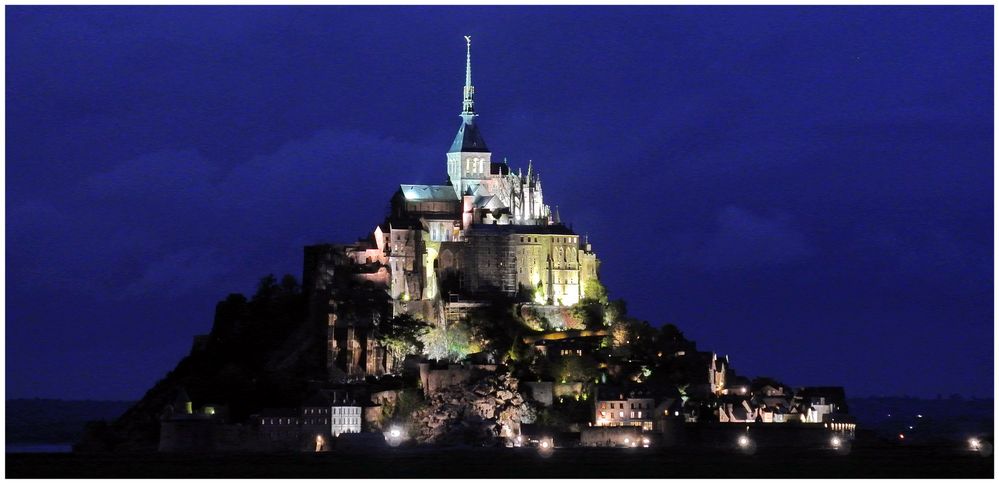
x=487, y=232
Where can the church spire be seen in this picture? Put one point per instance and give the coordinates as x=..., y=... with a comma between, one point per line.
x=468, y=105
x=468, y=139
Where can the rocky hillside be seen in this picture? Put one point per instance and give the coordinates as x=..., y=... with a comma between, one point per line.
x=472, y=413
x=260, y=353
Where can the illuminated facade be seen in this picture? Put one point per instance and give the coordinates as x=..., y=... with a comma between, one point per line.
x=623, y=408
x=488, y=231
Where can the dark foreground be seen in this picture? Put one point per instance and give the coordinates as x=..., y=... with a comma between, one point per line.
x=497, y=463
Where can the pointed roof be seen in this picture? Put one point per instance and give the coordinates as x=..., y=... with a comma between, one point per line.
x=468, y=139
x=181, y=399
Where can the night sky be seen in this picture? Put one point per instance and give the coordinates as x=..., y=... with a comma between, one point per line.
x=806, y=189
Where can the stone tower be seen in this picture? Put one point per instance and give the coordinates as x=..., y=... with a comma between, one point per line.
x=468, y=160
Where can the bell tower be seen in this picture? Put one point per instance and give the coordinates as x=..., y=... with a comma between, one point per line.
x=468, y=160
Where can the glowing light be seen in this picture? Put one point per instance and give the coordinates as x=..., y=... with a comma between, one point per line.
x=395, y=436
x=743, y=441
x=974, y=443
x=901, y=436
x=835, y=442
x=546, y=447
x=919, y=416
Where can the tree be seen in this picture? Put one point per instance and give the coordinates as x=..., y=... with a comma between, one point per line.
x=401, y=336
x=620, y=336
x=614, y=311
x=572, y=368
x=451, y=342
x=590, y=312
x=595, y=291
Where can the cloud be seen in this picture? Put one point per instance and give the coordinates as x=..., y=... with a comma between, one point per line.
x=176, y=221
x=741, y=239
x=930, y=256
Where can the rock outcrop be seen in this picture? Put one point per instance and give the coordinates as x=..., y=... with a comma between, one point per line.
x=479, y=412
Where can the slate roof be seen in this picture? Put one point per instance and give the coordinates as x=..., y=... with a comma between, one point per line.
x=468, y=139
x=326, y=398
x=440, y=193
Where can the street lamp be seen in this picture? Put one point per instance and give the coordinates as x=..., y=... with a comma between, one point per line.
x=395, y=436
x=546, y=446
x=746, y=445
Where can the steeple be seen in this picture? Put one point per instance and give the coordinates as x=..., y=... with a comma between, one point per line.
x=468, y=139
x=468, y=105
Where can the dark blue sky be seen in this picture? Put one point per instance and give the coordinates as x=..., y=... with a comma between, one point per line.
x=806, y=189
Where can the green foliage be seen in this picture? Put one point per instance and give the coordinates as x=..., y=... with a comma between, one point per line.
x=532, y=320
x=595, y=291
x=542, y=368
x=551, y=417
x=614, y=311
x=401, y=336
x=448, y=342
x=519, y=359
x=573, y=368
x=495, y=327
x=643, y=340
x=407, y=402
x=620, y=337
x=590, y=312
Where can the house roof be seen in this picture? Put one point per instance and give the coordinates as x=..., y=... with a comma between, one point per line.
x=611, y=392
x=328, y=398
